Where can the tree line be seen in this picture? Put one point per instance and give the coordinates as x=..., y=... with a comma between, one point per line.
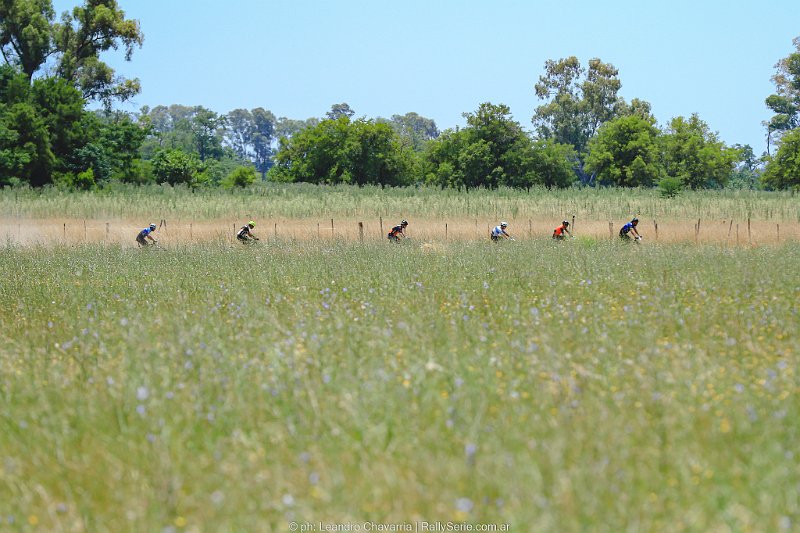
x=58, y=126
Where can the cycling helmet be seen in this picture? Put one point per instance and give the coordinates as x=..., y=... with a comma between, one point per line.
x=566, y=223
x=251, y=224
x=504, y=224
x=635, y=220
x=404, y=223
x=152, y=226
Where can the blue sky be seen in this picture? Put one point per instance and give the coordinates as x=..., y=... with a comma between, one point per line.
x=441, y=58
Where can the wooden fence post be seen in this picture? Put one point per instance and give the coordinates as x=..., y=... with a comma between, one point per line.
x=749, y=239
x=445, y=231
x=106, y=230
x=610, y=229
x=573, y=223
x=380, y=220
x=778, y=228
x=697, y=231
x=530, y=228
x=361, y=232
x=276, y=230
x=655, y=225
x=190, y=231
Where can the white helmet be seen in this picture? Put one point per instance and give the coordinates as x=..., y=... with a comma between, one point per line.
x=152, y=226
x=504, y=224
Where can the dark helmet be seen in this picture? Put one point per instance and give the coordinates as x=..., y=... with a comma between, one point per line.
x=566, y=223
x=635, y=220
x=404, y=223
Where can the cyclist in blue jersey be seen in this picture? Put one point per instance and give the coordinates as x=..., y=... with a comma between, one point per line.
x=145, y=234
x=629, y=229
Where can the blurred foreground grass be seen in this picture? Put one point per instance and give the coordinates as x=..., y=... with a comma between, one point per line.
x=554, y=388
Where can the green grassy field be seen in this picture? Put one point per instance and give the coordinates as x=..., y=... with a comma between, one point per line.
x=587, y=386
x=269, y=201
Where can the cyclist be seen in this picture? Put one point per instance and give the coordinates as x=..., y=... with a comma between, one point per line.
x=499, y=232
x=398, y=231
x=145, y=234
x=558, y=233
x=244, y=235
x=630, y=227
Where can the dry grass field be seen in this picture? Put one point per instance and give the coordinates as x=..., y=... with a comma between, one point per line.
x=50, y=231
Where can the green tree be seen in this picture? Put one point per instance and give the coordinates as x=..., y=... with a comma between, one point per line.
x=47, y=136
x=80, y=38
x=240, y=177
x=413, y=128
x=670, y=187
x=170, y=127
x=113, y=149
x=340, y=151
x=625, y=153
x=338, y=111
x=29, y=35
x=494, y=150
x=207, y=127
x=552, y=164
x=26, y=33
x=251, y=135
x=26, y=142
x=61, y=107
x=747, y=173
x=239, y=132
x=694, y=154
x=14, y=87
x=785, y=103
x=783, y=169
x=287, y=127
x=441, y=159
x=494, y=137
x=639, y=108
x=25, y=145
x=577, y=102
x=175, y=167
x=263, y=139
x=11, y=161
